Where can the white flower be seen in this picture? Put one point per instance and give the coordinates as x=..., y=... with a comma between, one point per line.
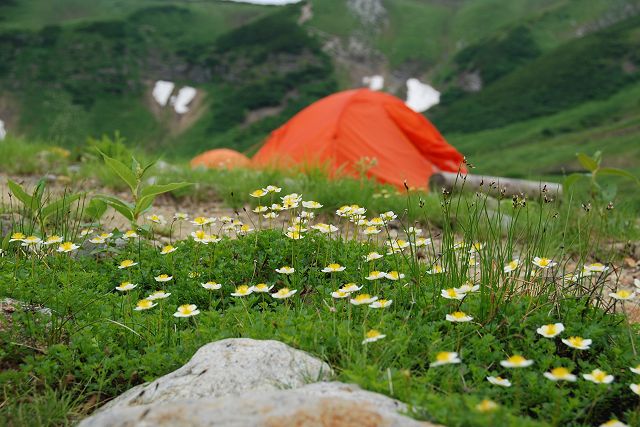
x=636, y=283
x=310, y=204
x=372, y=256
x=262, y=288
x=445, y=358
x=158, y=295
x=486, y=405
x=613, y=423
x=363, y=299
x=86, y=232
x=436, y=269
x=350, y=287
x=635, y=370
x=635, y=388
x=125, y=286
x=599, y=377
x=375, y=275
x=294, y=235
x=422, y=241
x=285, y=270
x=163, y=278
x=270, y=215
x=258, y=193
x=388, y=216
x=550, y=330
x=242, y=291
x=332, y=268
x=560, y=374
x=126, y=264
x=544, y=262
x=158, y=219
x=511, y=265
x=167, y=250
x=260, y=209
x=67, y=247
x=325, y=228
x=284, y=293
x=577, y=343
x=516, y=361
x=180, y=216
x=201, y=221
x=596, y=267
x=468, y=287
x=187, y=310
x=97, y=240
x=212, y=286
x=272, y=189
x=452, y=293
x=53, y=239
x=458, y=316
x=502, y=382
x=372, y=336
x=144, y=304
x=476, y=247
x=31, y=240
x=382, y=303
x=394, y=275
x=622, y=295
x=339, y=294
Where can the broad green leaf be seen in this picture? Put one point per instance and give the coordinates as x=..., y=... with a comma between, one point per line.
x=119, y=205
x=146, y=168
x=21, y=195
x=154, y=190
x=38, y=192
x=122, y=171
x=618, y=172
x=587, y=162
x=5, y=241
x=143, y=205
x=95, y=209
x=570, y=180
x=59, y=205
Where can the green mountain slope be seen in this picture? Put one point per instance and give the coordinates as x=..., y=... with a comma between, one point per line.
x=548, y=73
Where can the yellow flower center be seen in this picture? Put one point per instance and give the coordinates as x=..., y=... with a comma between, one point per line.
x=544, y=262
x=373, y=333
x=459, y=315
x=624, y=293
x=362, y=297
x=334, y=266
x=144, y=303
x=513, y=265
x=452, y=293
x=185, y=309
x=599, y=376
x=283, y=291
x=443, y=356
x=560, y=372
x=576, y=341
x=516, y=360
x=550, y=329
x=66, y=246
x=394, y=274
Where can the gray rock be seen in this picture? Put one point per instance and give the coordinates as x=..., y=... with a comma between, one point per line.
x=230, y=366
x=320, y=404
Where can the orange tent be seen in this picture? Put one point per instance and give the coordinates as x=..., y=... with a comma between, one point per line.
x=221, y=158
x=342, y=129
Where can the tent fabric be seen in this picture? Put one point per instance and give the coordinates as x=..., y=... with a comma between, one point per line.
x=221, y=158
x=340, y=130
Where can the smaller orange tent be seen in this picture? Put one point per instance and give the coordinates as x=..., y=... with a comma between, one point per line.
x=221, y=158
x=344, y=128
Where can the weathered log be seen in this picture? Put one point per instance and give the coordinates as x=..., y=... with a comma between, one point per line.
x=495, y=185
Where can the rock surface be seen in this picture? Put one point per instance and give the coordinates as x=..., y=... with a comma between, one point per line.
x=230, y=366
x=314, y=405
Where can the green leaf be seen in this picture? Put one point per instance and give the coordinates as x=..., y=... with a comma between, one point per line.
x=154, y=190
x=146, y=168
x=5, y=242
x=95, y=209
x=618, y=172
x=119, y=205
x=122, y=171
x=21, y=195
x=587, y=162
x=38, y=192
x=570, y=180
x=59, y=205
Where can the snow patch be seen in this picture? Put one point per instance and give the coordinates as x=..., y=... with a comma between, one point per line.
x=267, y=2
x=374, y=82
x=162, y=91
x=3, y=131
x=183, y=99
x=421, y=96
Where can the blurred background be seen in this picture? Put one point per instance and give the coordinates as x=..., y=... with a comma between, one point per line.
x=518, y=86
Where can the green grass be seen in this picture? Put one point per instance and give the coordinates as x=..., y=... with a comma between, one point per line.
x=96, y=346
